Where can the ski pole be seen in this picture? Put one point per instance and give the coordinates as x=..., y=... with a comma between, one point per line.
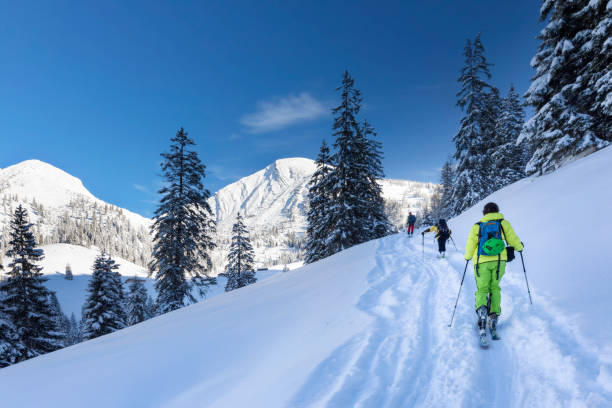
x=453, y=241
x=526, y=281
x=423, y=244
x=460, y=286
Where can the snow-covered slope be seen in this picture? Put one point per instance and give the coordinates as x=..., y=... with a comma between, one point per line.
x=369, y=327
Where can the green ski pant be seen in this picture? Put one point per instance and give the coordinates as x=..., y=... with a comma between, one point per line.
x=487, y=283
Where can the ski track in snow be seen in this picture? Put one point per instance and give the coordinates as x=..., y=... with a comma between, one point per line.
x=411, y=358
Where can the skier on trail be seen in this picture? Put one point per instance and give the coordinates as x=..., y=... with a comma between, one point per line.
x=411, y=221
x=442, y=234
x=486, y=243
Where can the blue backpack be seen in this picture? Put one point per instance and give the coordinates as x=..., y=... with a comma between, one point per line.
x=490, y=238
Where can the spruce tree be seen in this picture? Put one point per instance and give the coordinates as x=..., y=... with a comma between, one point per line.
x=25, y=299
x=572, y=85
x=319, y=200
x=446, y=198
x=62, y=324
x=472, y=164
x=354, y=210
x=11, y=349
x=74, y=333
x=491, y=141
x=371, y=156
x=103, y=311
x=509, y=156
x=240, y=260
x=137, y=302
x=183, y=228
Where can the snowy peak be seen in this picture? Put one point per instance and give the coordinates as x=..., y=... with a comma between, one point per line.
x=271, y=195
x=42, y=181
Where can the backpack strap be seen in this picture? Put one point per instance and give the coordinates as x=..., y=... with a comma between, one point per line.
x=478, y=248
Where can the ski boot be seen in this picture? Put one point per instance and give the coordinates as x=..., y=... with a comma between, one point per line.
x=492, y=323
x=482, y=326
x=442, y=254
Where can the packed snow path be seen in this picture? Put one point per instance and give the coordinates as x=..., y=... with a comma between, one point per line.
x=410, y=357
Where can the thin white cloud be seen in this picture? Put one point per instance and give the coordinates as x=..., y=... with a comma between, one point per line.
x=140, y=187
x=283, y=112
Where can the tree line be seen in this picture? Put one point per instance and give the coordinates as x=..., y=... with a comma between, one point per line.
x=571, y=94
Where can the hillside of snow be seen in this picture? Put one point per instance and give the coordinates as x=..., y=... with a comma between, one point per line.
x=369, y=326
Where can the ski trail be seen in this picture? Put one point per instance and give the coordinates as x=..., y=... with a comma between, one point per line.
x=409, y=357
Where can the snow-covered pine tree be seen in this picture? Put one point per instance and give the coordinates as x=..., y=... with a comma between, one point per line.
x=74, y=333
x=136, y=302
x=446, y=198
x=491, y=141
x=151, y=307
x=62, y=324
x=183, y=228
x=351, y=179
x=103, y=311
x=572, y=88
x=319, y=199
x=240, y=260
x=378, y=224
x=470, y=176
x=10, y=347
x=68, y=274
x=25, y=300
x=508, y=158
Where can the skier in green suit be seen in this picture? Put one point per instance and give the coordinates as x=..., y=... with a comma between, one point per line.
x=486, y=244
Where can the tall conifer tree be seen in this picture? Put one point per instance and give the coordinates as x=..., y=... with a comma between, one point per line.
x=446, y=198
x=472, y=164
x=509, y=156
x=319, y=200
x=354, y=211
x=183, y=228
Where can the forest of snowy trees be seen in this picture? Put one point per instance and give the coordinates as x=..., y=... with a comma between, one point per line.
x=82, y=222
x=571, y=94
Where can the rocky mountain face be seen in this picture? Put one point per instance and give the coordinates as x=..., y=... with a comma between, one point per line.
x=272, y=200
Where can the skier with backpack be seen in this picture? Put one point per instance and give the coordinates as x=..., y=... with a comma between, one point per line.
x=442, y=234
x=411, y=222
x=486, y=243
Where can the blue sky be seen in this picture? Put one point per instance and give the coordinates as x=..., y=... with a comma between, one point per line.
x=99, y=88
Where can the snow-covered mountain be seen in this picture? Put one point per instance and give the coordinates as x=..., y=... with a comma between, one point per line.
x=369, y=326
x=274, y=203
x=273, y=200
x=64, y=211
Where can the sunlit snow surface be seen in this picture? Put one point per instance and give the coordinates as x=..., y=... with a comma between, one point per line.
x=369, y=326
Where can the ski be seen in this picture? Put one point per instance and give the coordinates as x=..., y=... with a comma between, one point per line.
x=484, y=342
x=495, y=335
x=492, y=324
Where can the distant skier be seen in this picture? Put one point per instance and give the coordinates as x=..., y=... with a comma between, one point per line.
x=411, y=221
x=486, y=243
x=442, y=234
